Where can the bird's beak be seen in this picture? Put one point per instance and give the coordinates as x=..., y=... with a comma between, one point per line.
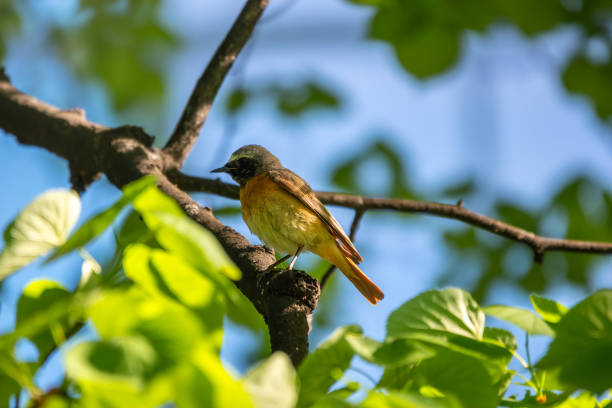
x=223, y=169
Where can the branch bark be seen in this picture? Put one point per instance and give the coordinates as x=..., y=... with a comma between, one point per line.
x=196, y=111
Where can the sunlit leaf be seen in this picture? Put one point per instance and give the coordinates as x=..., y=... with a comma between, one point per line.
x=397, y=352
x=43, y=225
x=272, y=384
x=449, y=311
x=550, y=310
x=528, y=321
x=405, y=400
x=163, y=274
x=218, y=389
x=101, y=221
x=582, y=347
x=584, y=400
x=189, y=240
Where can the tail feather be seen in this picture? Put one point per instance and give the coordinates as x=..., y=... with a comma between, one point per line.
x=367, y=288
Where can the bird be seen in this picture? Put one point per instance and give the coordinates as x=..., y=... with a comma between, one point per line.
x=281, y=209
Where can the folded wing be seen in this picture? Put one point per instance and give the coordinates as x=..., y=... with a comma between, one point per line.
x=297, y=187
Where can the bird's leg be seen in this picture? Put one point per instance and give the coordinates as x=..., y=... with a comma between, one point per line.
x=280, y=261
x=295, y=257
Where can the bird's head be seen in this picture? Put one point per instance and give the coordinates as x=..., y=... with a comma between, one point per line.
x=247, y=162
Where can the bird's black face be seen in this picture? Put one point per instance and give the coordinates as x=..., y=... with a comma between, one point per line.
x=247, y=162
x=241, y=169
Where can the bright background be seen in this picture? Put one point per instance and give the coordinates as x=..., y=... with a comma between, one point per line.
x=501, y=118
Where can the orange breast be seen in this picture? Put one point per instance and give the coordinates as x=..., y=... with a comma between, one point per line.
x=279, y=219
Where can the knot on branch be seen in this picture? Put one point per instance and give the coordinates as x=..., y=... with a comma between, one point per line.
x=126, y=154
x=297, y=286
x=289, y=299
x=81, y=178
x=132, y=132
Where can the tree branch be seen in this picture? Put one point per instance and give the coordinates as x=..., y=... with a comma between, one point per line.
x=125, y=154
x=537, y=243
x=196, y=111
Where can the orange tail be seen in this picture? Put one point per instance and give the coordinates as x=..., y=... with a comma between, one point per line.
x=361, y=281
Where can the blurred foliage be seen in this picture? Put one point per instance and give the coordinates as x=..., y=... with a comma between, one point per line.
x=347, y=173
x=428, y=35
x=291, y=101
x=121, y=43
x=580, y=210
x=9, y=23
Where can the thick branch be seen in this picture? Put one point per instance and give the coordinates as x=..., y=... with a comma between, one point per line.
x=124, y=154
x=196, y=111
x=538, y=243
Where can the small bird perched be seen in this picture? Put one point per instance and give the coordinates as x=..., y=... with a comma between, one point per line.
x=282, y=210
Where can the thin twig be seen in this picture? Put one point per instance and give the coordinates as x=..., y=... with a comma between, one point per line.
x=196, y=110
x=539, y=244
x=69, y=333
x=531, y=370
x=354, y=226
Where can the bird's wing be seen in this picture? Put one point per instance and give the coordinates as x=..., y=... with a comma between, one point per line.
x=298, y=188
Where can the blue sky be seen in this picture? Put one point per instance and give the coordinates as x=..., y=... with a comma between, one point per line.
x=500, y=115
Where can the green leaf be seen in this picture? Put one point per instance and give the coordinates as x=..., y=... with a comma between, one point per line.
x=582, y=348
x=101, y=221
x=272, y=384
x=414, y=29
x=457, y=375
x=13, y=376
x=10, y=23
x=550, y=310
x=123, y=359
x=297, y=100
x=172, y=329
x=405, y=400
x=163, y=274
x=43, y=225
x=151, y=200
x=218, y=389
x=115, y=372
x=531, y=323
x=38, y=297
x=325, y=365
x=329, y=401
x=514, y=215
x=532, y=17
x=396, y=378
x=8, y=387
x=190, y=241
x=501, y=336
x=451, y=311
x=237, y=99
x=398, y=352
x=584, y=77
x=584, y=400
